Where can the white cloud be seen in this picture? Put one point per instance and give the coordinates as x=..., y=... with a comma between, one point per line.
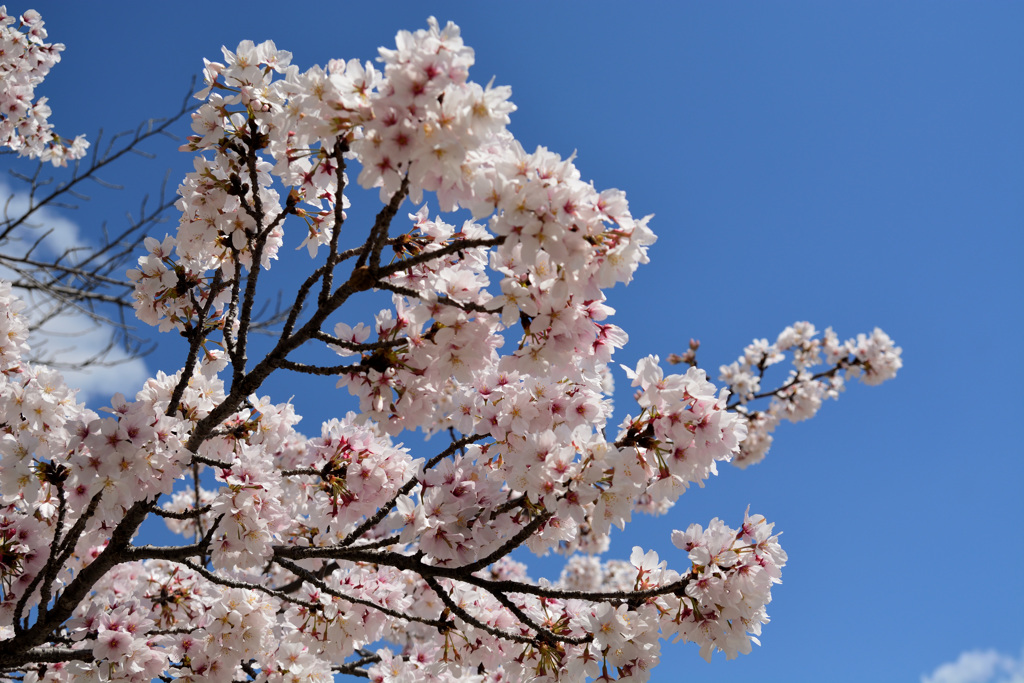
x=979, y=666
x=63, y=233
x=72, y=338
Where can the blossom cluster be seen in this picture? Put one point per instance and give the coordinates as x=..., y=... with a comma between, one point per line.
x=718, y=602
x=25, y=60
x=872, y=359
x=62, y=465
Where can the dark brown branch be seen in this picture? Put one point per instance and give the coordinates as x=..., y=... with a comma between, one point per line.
x=793, y=381
x=210, y=462
x=508, y=546
x=67, y=546
x=444, y=300
x=231, y=583
x=369, y=346
x=172, y=553
x=408, y=486
x=469, y=618
x=352, y=668
x=322, y=369
x=379, y=543
x=379, y=231
x=188, y=514
x=45, y=655
x=300, y=299
x=543, y=634
x=16, y=650
x=295, y=585
x=311, y=578
x=196, y=336
x=51, y=564
x=255, y=250
x=454, y=247
x=333, y=258
x=415, y=564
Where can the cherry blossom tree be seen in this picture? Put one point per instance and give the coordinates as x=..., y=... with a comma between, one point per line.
x=304, y=557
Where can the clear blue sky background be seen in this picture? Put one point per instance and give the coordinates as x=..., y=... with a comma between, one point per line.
x=850, y=164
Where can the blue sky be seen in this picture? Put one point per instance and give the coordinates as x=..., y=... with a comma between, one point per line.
x=849, y=164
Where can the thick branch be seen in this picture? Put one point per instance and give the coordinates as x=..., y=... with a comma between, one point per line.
x=16, y=650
